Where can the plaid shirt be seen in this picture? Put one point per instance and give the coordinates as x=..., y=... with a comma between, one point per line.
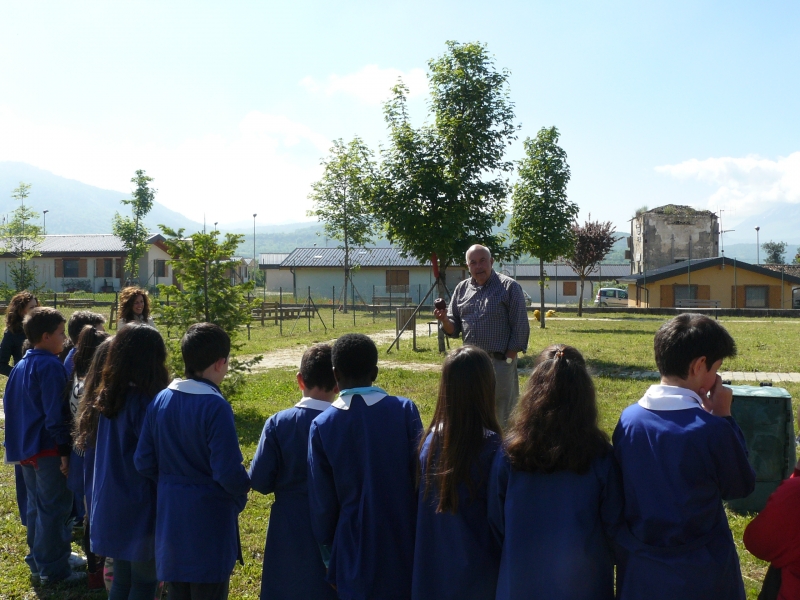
x=493, y=316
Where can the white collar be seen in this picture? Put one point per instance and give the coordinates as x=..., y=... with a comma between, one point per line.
x=313, y=404
x=371, y=396
x=192, y=386
x=670, y=397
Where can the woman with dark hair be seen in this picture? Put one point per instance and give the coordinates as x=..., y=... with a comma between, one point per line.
x=134, y=307
x=456, y=555
x=555, y=495
x=14, y=336
x=123, y=501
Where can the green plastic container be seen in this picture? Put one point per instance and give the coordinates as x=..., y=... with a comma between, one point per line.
x=766, y=418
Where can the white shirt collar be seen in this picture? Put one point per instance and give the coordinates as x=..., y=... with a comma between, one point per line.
x=313, y=404
x=192, y=386
x=371, y=395
x=670, y=397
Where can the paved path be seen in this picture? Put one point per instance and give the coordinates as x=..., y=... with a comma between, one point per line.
x=732, y=376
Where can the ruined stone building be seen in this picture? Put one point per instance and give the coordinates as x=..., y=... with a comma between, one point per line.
x=669, y=234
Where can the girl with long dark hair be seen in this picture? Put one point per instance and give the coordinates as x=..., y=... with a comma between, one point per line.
x=123, y=501
x=555, y=496
x=456, y=555
x=134, y=307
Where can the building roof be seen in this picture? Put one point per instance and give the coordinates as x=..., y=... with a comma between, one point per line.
x=679, y=210
x=87, y=244
x=698, y=264
x=334, y=257
x=787, y=269
x=563, y=271
x=271, y=260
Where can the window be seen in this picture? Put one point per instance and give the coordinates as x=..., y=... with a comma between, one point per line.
x=71, y=267
x=161, y=268
x=755, y=296
x=396, y=277
x=570, y=288
x=107, y=268
x=685, y=292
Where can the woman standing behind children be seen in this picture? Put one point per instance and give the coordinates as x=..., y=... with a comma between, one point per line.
x=134, y=307
x=456, y=555
x=123, y=508
x=555, y=496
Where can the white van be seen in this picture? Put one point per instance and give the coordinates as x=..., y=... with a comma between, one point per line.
x=611, y=297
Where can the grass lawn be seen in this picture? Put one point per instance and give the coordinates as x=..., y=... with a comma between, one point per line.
x=610, y=345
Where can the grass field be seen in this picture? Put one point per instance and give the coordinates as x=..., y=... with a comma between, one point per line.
x=610, y=344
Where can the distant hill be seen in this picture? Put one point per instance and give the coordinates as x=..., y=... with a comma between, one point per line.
x=75, y=207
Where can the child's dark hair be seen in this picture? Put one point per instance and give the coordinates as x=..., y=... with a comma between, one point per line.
x=202, y=345
x=354, y=356
x=15, y=309
x=465, y=409
x=81, y=319
x=41, y=320
x=136, y=362
x=88, y=341
x=554, y=427
x=126, y=299
x=85, y=432
x=316, y=368
x=686, y=337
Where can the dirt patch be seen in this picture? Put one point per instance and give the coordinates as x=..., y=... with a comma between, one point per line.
x=289, y=358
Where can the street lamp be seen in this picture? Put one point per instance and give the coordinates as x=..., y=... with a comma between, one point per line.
x=758, y=257
x=44, y=214
x=215, y=226
x=254, y=243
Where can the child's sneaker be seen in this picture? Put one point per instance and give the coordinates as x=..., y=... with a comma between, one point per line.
x=71, y=579
x=76, y=561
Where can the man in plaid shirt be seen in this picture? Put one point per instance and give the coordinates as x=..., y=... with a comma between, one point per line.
x=489, y=309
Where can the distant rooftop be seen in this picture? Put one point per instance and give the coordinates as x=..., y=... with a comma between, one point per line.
x=87, y=244
x=334, y=257
x=678, y=210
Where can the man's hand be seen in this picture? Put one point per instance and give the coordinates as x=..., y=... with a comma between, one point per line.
x=65, y=465
x=718, y=399
x=447, y=324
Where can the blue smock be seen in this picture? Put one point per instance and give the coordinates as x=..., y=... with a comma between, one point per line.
x=293, y=567
x=190, y=447
x=456, y=555
x=362, y=471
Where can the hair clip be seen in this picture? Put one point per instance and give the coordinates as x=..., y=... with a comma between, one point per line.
x=560, y=354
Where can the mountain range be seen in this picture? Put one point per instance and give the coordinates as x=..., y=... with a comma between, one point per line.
x=74, y=207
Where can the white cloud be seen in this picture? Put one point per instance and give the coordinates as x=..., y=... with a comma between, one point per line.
x=744, y=185
x=371, y=85
x=266, y=166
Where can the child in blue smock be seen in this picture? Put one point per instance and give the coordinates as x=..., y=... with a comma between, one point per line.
x=362, y=464
x=38, y=437
x=123, y=510
x=292, y=568
x=555, y=498
x=456, y=556
x=190, y=447
x=681, y=454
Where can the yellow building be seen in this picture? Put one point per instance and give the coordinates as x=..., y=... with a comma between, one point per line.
x=713, y=282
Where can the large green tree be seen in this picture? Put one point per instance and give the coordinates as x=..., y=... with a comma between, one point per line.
x=542, y=217
x=341, y=199
x=201, y=266
x=21, y=237
x=132, y=230
x=774, y=252
x=593, y=241
x=443, y=185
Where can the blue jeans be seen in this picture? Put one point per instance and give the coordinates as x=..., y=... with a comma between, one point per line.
x=48, y=516
x=133, y=580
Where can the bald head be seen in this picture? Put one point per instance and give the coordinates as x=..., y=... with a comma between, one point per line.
x=479, y=263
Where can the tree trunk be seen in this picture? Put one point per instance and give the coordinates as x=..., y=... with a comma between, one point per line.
x=541, y=292
x=346, y=272
x=441, y=291
x=580, y=298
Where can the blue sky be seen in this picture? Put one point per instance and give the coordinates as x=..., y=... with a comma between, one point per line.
x=231, y=106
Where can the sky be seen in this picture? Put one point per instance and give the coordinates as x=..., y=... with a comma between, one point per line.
x=231, y=106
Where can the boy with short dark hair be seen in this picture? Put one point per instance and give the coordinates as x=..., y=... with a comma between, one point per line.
x=362, y=461
x=38, y=437
x=292, y=567
x=75, y=325
x=190, y=447
x=681, y=453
